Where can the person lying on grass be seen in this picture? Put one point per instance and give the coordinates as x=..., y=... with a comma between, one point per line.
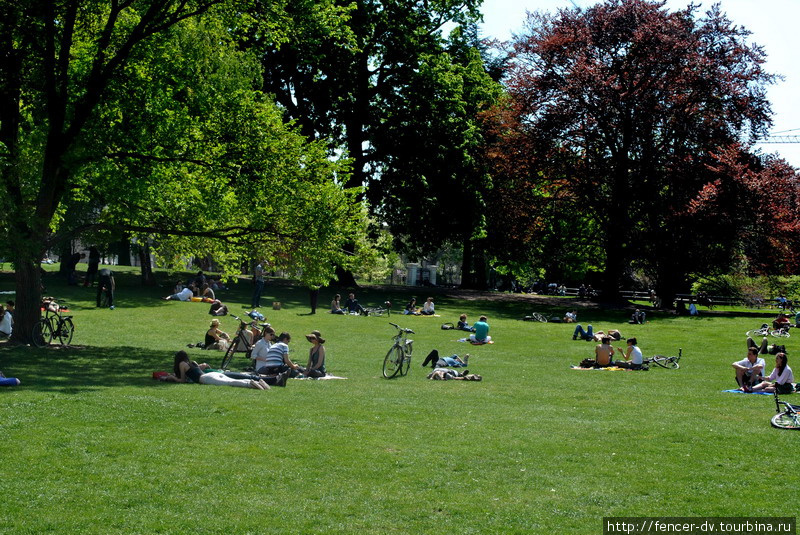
x=184, y=295
x=632, y=355
x=189, y=371
x=598, y=336
x=446, y=374
x=781, y=379
x=8, y=381
x=453, y=361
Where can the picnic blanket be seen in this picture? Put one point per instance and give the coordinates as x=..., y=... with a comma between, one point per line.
x=737, y=391
x=607, y=368
x=474, y=343
x=329, y=376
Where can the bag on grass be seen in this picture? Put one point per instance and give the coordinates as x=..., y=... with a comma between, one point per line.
x=448, y=326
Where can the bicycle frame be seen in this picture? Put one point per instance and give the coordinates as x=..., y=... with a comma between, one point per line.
x=398, y=359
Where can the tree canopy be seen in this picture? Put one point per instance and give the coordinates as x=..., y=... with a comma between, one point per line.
x=615, y=113
x=148, y=115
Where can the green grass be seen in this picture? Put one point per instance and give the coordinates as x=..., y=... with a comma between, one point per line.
x=91, y=444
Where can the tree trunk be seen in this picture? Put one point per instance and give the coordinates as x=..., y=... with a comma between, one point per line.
x=123, y=250
x=28, y=299
x=145, y=262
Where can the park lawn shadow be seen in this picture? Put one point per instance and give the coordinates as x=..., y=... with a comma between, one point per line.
x=77, y=369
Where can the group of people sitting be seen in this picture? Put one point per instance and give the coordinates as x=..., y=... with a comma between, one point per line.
x=604, y=353
x=272, y=365
x=750, y=370
x=351, y=306
x=427, y=309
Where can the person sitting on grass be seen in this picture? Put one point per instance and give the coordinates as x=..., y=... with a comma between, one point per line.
x=189, y=371
x=277, y=359
x=602, y=355
x=632, y=355
x=207, y=293
x=215, y=338
x=427, y=308
x=6, y=323
x=782, y=321
x=780, y=380
x=749, y=371
x=8, y=381
x=463, y=325
x=261, y=349
x=481, y=334
x=411, y=308
x=316, y=356
x=638, y=317
x=352, y=306
x=571, y=316
x=336, y=308
x=453, y=361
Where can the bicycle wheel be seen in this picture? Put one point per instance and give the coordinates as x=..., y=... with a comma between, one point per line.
x=786, y=420
x=538, y=317
x=228, y=357
x=405, y=364
x=393, y=362
x=65, y=331
x=661, y=360
x=671, y=363
x=780, y=333
x=42, y=333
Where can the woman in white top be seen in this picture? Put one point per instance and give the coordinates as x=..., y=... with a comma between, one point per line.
x=781, y=379
x=427, y=308
x=632, y=355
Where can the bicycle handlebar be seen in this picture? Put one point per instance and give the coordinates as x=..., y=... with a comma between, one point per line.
x=402, y=329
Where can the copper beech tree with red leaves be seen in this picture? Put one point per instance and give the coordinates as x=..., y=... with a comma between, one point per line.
x=614, y=118
x=752, y=206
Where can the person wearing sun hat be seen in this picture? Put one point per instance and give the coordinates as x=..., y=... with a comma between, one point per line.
x=215, y=338
x=316, y=356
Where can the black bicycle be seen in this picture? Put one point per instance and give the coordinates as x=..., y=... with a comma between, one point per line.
x=788, y=418
x=243, y=338
x=672, y=363
x=53, y=326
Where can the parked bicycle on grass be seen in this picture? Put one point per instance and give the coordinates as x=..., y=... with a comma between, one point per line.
x=54, y=325
x=398, y=359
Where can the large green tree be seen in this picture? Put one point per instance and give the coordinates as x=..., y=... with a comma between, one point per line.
x=145, y=113
x=400, y=99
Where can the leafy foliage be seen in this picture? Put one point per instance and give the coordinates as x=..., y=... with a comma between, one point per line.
x=619, y=108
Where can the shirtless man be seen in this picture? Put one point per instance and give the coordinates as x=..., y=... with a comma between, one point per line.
x=602, y=355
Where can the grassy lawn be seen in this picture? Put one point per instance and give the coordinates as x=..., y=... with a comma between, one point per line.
x=91, y=444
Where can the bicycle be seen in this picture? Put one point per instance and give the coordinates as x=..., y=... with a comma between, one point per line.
x=379, y=311
x=53, y=325
x=241, y=339
x=535, y=316
x=762, y=331
x=783, y=332
x=788, y=418
x=398, y=359
x=672, y=363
